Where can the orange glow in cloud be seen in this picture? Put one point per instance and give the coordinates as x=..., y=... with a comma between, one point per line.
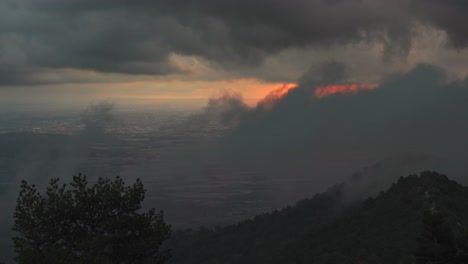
x=328, y=90
x=273, y=93
x=273, y=96
x=281, y=91
x=250, y=88
x=256, y=89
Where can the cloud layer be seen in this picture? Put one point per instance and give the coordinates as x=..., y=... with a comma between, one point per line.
x=138, y=37
x=419, y=111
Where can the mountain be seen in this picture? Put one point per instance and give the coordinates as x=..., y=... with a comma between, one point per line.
x=371, y=180
x=328, y=229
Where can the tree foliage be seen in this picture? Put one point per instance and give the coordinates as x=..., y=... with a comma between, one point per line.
x=328, y=229
x=437, y=241
x=101, y=223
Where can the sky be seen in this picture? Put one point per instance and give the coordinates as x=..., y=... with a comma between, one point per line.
x=76, y=51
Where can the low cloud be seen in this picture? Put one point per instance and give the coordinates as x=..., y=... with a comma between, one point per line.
x=99, y=118
x=420, y=111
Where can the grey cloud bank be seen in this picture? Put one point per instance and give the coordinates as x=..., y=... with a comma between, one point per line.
x=137, y=37
x=420, y=111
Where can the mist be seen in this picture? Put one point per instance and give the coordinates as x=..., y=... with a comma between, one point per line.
x=325, y=139
x=291, y=145
x=227, y=109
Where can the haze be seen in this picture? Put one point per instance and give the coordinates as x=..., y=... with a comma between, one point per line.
x=230, y=108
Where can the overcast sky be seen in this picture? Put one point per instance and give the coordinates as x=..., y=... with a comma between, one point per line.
x=196, y=48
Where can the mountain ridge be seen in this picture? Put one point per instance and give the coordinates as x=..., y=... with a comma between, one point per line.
x=326, y=229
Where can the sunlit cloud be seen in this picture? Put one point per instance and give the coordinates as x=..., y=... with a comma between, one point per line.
x=328, y=90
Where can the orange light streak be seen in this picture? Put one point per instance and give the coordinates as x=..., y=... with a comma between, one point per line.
x=328, y=90
x=280, y=92
x=269, y=100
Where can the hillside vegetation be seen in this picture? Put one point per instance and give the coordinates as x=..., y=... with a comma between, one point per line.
x=329, y=229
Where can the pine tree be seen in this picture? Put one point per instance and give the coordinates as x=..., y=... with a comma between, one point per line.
x=437, y=243
x=102, y=223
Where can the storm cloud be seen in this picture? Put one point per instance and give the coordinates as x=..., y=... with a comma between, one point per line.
x=420, y=111
x=139, y=37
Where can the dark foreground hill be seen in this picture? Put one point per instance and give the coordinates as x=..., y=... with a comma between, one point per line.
x=328, y=229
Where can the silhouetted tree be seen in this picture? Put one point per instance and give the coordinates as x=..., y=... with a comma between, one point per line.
x=102, y=223
x=437, y=242
x=462, y=248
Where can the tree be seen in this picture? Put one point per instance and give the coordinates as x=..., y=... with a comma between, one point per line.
x=102, y=223
x=437, y=242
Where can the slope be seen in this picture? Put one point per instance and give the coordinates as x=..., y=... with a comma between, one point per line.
x=325, y=229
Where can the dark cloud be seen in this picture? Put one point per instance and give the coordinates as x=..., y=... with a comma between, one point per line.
x=226, y=110
x=413, y=121
x=447, y=15
x=330, y=72
x=138, y=37
x=421, y=111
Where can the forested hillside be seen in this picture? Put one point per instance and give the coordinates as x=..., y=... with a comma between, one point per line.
x=328, y=229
